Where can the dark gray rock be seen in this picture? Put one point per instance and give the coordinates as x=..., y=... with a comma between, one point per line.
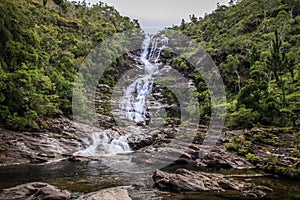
x=58, y=142
x=187, y=181
x=34, y=191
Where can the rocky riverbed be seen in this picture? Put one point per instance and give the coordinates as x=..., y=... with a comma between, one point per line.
x=196, y=175
x=39, y=190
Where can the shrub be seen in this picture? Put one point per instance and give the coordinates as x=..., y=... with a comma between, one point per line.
x=243, y=118
x=252, y=157
x=231, y=146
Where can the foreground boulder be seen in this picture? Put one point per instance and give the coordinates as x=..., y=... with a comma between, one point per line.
x=34, y=191
x=187, y=181
x=116, y=193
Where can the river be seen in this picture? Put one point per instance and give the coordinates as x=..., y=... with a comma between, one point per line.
x=83, y=177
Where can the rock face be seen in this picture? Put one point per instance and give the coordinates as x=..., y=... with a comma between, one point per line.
x=34, y=191
x=157, y=145
x=187, y=181
x=62, y=138
x=24, y=147
x=116, y=193
x=35, y=147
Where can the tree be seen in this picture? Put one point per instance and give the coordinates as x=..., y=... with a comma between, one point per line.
x=58, y=2
x=278, y=63
x=61, y=3
x=45, y=2
x=182, y=24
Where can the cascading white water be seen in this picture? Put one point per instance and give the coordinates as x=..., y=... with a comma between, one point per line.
x=107, y=142
x=134, y=99
x=133, y=102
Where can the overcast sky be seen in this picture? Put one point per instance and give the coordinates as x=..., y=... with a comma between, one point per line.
x=162, y=13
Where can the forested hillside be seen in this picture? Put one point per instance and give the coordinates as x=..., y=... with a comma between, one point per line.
x=256, y=45
x=42, y=45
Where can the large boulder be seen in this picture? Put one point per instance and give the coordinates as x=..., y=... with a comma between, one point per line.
x=117, y=193
x=34, y=191
x=219, y=158
x=187, y=181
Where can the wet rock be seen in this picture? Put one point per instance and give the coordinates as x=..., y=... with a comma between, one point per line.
x=137, y=142
x=117, y=193
x=34, y=191
x=141, y=123
x=256, y=192
x=79, y=158
x=140, y=140
x=188, y=181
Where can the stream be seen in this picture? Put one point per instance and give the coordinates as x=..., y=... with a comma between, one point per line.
x=83, y=177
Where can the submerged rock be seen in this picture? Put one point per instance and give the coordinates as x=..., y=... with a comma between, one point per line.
x=117, y=193
x=187, y=181
x=34, y=191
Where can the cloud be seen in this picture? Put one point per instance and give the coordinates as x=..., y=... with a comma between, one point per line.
x=162, y=12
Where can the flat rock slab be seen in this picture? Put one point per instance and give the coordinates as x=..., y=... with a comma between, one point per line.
x=187, y=181
x=34, y=191
x=116, y=193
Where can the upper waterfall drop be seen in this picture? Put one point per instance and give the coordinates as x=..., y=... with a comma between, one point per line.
x=133, y=102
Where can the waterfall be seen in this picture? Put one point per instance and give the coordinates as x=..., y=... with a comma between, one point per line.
x=134, y=99
x=107, y=142
x=239, y=79
x=133, y=102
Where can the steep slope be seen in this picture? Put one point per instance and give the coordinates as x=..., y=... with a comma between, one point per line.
x=42, y=44
x=256, y=46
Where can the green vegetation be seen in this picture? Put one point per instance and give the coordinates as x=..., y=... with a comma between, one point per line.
x=252, y=158
x=297, y=136
x=42, y=45
x=254, y=43
x=256, y=46
x=273, y=150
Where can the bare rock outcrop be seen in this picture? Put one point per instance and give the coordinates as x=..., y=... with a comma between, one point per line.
x=34, y=191
x=187, y=181
x=116, y=193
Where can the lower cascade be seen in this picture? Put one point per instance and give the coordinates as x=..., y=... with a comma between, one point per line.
x=107, y=142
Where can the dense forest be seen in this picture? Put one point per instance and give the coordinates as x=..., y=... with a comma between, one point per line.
x=255, y=44
x=42, y=46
